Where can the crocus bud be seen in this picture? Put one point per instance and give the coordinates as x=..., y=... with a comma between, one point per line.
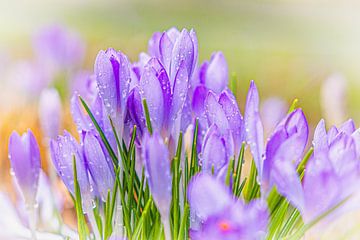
x=214, y=74
x=25, y=164
x=50, y=112
x=112, y=71
x=253, y=127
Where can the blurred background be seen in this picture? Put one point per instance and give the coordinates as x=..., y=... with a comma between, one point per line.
x=308, y=50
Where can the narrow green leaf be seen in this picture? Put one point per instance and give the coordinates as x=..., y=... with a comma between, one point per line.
x=147, y=116
x=82, y=227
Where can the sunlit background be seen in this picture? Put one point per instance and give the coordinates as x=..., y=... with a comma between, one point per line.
x=308, y=50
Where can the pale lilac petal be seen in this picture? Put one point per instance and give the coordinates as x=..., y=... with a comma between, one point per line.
x=196, y=49
x=135, y=108
x=150, y=89
x=81, y=120
x=213, y=154
x=166, y=47
x=198, y=100
x=320, y=141
x=180, y=91
x=183, y=51
x=332, y=133
x=215, y=113
x=253, y=127
x=217, y=73
x=234, y=117
x=348, y=127
x=153, y=45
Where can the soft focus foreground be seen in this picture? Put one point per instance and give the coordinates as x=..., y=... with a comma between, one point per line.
x=159, y=148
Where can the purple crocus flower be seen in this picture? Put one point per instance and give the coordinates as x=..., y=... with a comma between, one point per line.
x=99, y=165
x=50, y=112
x=157, y=166
x=217, y=215
x=165, y=100
x=58, y=48
x=174, y=47
x=63, y=151
x=25, y=164
x=112, y=71
x=332, y=174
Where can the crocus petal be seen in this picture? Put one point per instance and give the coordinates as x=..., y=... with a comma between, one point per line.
x=215, y=112
x=253, y=127
x=321, y=188
x=342, y=154
x=50, y=112
x=198, y=100
x=196, y=49
x=25, y=164
x=183, y=51
x=207, y=196
x=332, y=133
x=81, y=120
x=150, y=89
x=166, y=47
x=320, y=141
x=135, y=108
x=157, y=167
x=348, y=127
x=153, y=45
x=234, y=117
x=180, y=91
x=213, y=154
x=217, y=73
x=98, y=165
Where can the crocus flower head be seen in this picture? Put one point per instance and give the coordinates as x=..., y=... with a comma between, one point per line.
x=112, y=71
x=216, y=215
x=50, y=112
x=157, y=166
x=332, y=174
x=174, y=47
x=214, y=74
x=25, y=164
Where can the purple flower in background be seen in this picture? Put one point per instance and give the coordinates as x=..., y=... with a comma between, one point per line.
x=216, y=215
x=332, y=174
x=99, y=165
x=50, y=112
x=157, y=166
x=63, y=151
x=25, y=164
x=58, y=49
x=112, y=71
x=84, y=84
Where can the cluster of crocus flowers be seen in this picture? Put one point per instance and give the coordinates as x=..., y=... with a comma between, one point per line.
x=133, y=174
